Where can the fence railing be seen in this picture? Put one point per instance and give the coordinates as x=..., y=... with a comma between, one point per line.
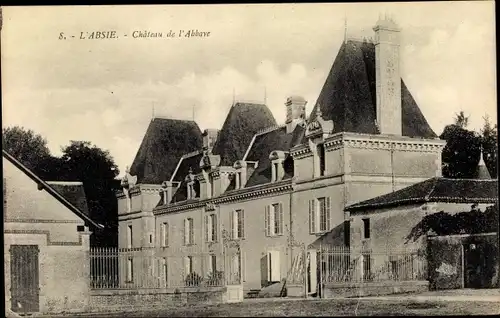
x=112, y=268
x=343, y=265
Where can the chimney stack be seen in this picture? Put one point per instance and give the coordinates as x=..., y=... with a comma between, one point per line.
x=295, y=112
x=388, y=77
x=209, y=138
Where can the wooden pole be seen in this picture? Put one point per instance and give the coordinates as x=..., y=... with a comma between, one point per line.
x=462, y=250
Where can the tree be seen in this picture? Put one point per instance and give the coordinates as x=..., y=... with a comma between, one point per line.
x=461, y=120
x=468, y=222
x=25, y=145
x=490, y=146
x=462, y=151
x=97, y=170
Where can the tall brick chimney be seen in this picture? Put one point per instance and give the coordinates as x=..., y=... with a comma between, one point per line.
x=388, y=78
x=295, y=112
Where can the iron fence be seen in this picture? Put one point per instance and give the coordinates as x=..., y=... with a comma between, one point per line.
x=342, y=265
x=112, y=268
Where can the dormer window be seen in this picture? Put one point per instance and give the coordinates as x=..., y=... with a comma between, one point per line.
x=238, y=180
x=190, y=190
x=321, y=158
x=277, y=158
x=240, y=174
x=193, y=185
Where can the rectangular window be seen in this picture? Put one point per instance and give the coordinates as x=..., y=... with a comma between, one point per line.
x=188, y=265
x=366, y=228
x=275, y=171
x=213, y=263
x=322, y=214
x=347, y=233
x=211, y=228
x=319, y=215
x=165, y=271
x=164, y=234
x=274, y=219
x=188, y=231
x=237, y=222
x=321, y=155
x=129, y=236
x=278, y=219
x=130, y=270
x=211, y=185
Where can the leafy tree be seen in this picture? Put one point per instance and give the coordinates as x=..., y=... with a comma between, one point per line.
x=97, y=170
x=461, y=120
x=25, y=145
x=462, y=151
x=468, y=222
x=490, y=146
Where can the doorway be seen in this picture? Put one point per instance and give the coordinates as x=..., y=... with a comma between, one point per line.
x=24, y=278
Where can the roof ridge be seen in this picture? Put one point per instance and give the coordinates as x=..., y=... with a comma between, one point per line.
x=249, y=101
x=259, y=133
x=192, y=154
x=65, y=182
x=176, y=119
x=49, y=189
x=269, y=129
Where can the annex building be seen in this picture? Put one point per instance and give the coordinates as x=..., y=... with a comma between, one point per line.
x=268, y=183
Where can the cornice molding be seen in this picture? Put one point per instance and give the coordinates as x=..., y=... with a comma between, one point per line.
x=232, y=196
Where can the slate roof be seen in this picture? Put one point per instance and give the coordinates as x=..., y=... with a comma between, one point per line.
x=164, y=143
x=52, y=191
x=74, y=192
x=435, y=190
x=262, y=147
x=242, y=123
x=348, y=96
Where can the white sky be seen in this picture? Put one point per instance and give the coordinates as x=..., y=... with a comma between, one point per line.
x=103, y=90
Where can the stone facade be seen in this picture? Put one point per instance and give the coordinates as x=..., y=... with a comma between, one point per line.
x=32, y=216
x=302, y=174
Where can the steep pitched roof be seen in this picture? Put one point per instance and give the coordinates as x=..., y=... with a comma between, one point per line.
x=241, y=124
x=188, y=161
x=262, y=147
x=44, y=185
x=165, y=142
x=435, y=190
x=74, y=192
x=348, y=96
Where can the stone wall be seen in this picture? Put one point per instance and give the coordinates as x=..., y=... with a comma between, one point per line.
x=374, y=288
x=124, y=300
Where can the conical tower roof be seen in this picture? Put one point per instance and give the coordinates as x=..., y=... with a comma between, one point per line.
x=481, y=170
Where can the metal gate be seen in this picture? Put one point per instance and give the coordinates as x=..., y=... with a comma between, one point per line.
x=24, y=278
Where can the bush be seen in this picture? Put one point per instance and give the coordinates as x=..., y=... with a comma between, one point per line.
x=193, y=279
x=215, y=278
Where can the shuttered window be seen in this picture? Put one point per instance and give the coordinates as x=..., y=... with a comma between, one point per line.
x=188, y=231
x=237, y=224
x=319, y=215
x=274, y=219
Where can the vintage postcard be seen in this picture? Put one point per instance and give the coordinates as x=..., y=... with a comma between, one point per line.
x=250, y=159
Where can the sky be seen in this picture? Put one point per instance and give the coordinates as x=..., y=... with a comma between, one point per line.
x=106, y=91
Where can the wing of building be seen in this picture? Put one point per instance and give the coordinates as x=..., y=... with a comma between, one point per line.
x=46, y=242
x=268, y=186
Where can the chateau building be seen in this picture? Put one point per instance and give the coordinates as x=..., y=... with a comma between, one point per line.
x=268, y=186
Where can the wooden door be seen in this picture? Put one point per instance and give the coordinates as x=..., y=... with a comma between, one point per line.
x=24, y=276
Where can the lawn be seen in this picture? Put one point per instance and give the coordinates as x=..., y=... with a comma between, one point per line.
x=322, y=308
